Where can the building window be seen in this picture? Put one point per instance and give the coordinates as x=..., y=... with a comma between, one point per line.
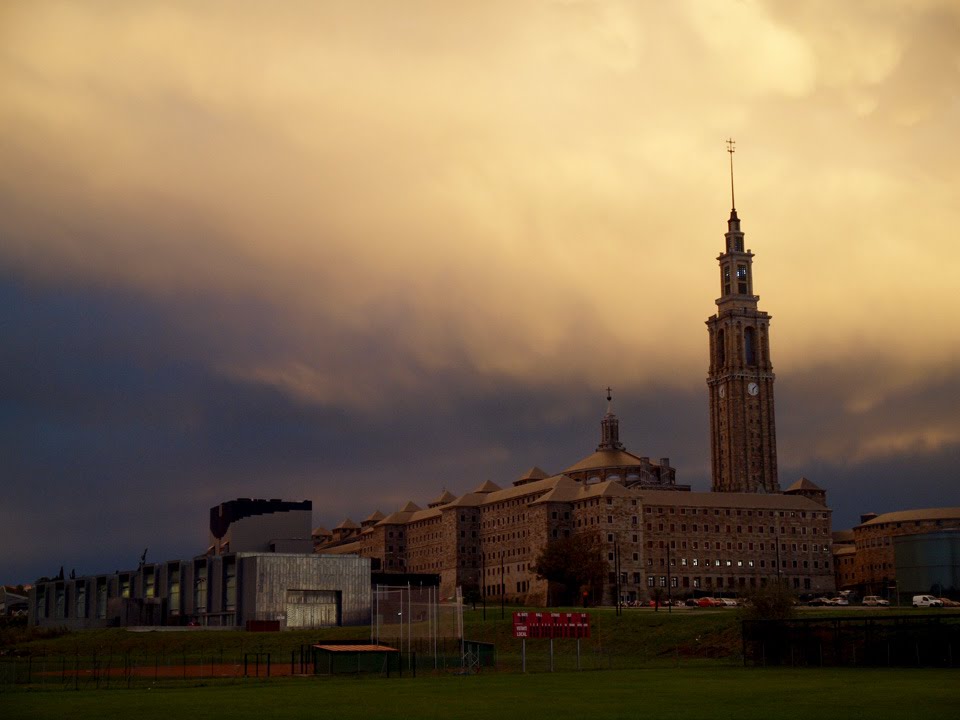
x=742, y=280
x=81, y=588
x=230, y=584
x=200, y=589
x=149, y=582
x=101, y=598
x=750, y=346
x=60, y=606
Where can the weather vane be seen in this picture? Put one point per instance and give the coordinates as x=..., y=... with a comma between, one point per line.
x=731, y=149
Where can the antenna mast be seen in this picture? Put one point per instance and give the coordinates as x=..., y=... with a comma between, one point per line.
x=731, y=149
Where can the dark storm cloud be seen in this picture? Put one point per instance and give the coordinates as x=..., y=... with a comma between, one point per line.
x=117, y=432
x=875, y=446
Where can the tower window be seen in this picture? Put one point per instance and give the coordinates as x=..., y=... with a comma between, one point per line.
x=742, y=284
x=750, y=346
x=721, y=348
x=726, y=279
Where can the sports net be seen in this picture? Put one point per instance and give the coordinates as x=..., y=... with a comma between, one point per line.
x=418, y=621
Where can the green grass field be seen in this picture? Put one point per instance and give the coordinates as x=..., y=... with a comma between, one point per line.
x=687, y=693
x=641, y=664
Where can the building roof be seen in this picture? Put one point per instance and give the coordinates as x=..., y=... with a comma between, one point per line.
x=487, y=486
x=411, y=506
x=804, y=484
x=320, y=532
x=347, y=524
x=489, y=497
x=374, y=517
x=442, y=499
x=844, y=550
x=743, y=501
x=842, y=537
x=534, y=473
x=406, y=515
x=947, y=513
x=605, y=459
x=424, y=514
x=567, y=490
x=347, y=548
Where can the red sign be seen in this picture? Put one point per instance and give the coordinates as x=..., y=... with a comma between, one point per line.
x=551, y=625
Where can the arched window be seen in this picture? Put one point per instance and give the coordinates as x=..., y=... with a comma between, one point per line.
x=750, y=346
x=721, y=348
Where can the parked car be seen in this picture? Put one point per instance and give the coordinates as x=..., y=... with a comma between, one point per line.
x=819, y=601
x=926, y=601
x=947, y=602
x=838, y=601
x=706, y=602
x=729, y=602
x=874, y=600
x=691, y=602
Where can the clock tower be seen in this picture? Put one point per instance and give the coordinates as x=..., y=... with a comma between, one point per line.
x=743, y=438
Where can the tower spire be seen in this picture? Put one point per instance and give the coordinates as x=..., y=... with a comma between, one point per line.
x=610, y=427
x=731, y=143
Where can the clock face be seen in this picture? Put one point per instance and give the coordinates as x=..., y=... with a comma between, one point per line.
x=753, y=388
x=722, y=391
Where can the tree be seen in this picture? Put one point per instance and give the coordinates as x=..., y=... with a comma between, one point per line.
x=575, y=563
x=772, y=601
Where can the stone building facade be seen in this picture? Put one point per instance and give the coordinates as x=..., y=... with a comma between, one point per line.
x=743, y=438
x=743, y=534
x=669, y=539
x=869, y=561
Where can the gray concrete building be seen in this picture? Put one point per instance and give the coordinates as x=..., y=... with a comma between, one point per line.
x=293, y=590
x=260, y=567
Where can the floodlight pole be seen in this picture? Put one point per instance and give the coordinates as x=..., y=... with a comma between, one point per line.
x=669, y=583
x=483, y=582
x=616, y=571
x=503, y=587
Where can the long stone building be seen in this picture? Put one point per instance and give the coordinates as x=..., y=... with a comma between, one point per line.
x=865, y=557
x=739, y=536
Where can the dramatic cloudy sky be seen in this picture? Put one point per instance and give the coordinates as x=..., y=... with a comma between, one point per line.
x=359, y=252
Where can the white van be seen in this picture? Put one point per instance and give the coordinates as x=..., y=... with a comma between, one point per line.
x=927, y=601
